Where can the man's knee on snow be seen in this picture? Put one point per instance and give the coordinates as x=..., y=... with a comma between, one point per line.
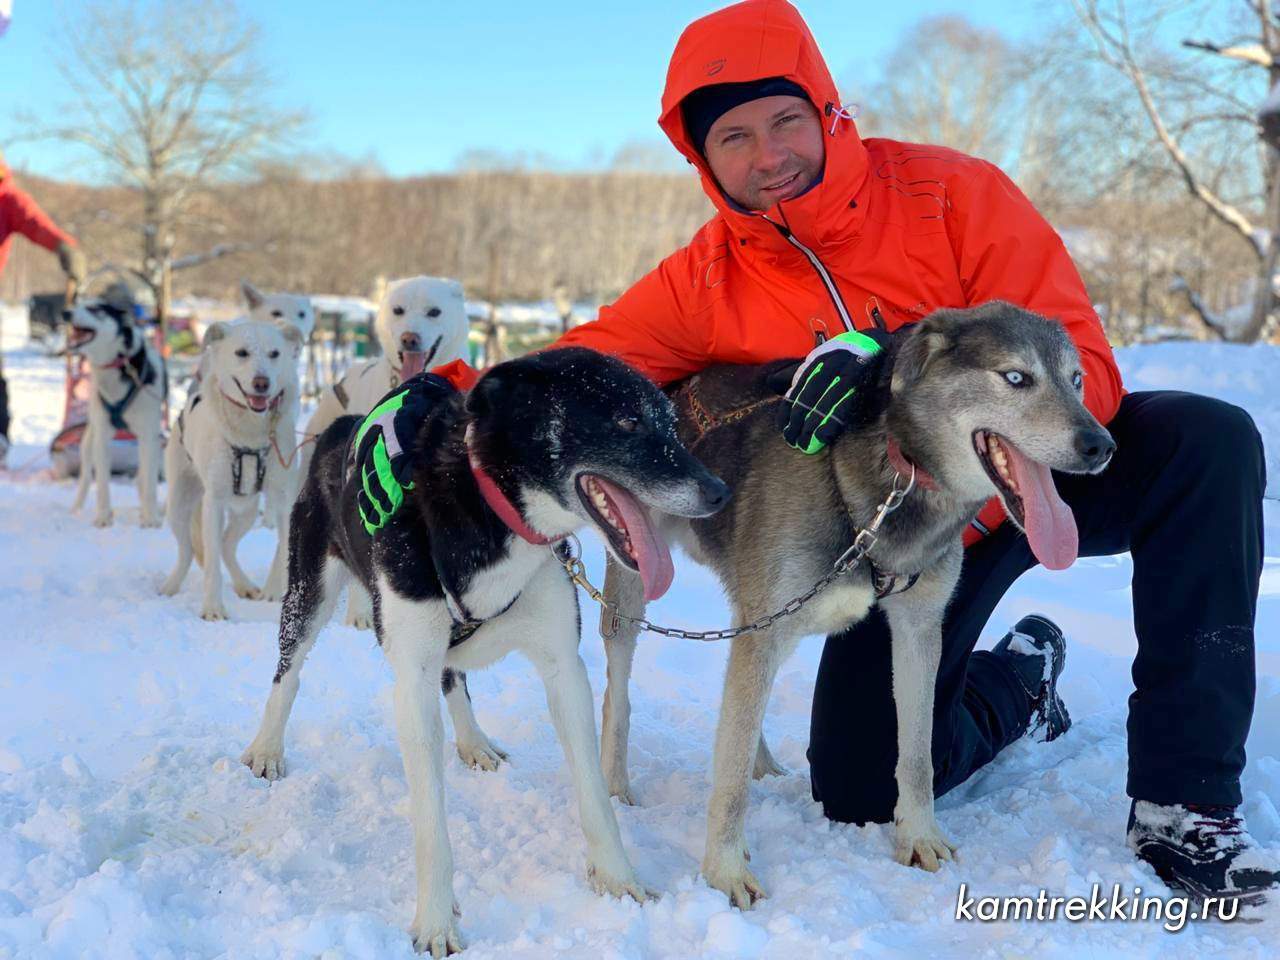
x=1210, y=432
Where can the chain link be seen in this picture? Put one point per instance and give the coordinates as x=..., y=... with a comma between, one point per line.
x=571, y=560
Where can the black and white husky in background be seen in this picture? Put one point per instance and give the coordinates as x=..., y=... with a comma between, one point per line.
x=467, y=571
x=129, y=385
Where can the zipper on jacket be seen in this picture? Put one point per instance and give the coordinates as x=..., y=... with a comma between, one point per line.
x=827, y=280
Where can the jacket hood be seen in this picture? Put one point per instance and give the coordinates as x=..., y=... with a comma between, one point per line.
x=751, y=41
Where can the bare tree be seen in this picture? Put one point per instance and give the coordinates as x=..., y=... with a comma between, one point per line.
x=169, y=100
x=1191, y=100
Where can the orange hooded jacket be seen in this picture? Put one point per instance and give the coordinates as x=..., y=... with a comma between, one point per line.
x=20, y=214
x=892, y=232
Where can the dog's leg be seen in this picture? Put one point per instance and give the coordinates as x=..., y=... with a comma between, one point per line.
x=183, y=503
x=86, y=468
x=554, y=652
x=475, y=749
x=148, y=477
x=915, y=624
x=753, y=663
x=102, y=433
x=238, y=524
x=212, y=517
x=415, y=643
x=359, y=607
x=274, y=587
x=624, y=590
x=308, y=605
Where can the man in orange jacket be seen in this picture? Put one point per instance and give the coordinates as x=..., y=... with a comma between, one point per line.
x=19, y=214
x=822, y=245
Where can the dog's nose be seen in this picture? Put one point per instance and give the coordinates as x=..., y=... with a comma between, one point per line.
x=261, y=384
x=1095, y=446
x=410, y=343
x=715, y=493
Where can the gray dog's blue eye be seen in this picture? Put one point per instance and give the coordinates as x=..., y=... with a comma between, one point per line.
x=1018, y=378
x=1077, y=379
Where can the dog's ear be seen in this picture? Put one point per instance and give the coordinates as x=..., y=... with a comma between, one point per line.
x=217, y=331
x=252, y=295
x=920, y=348
x=487, y=394
x=294, y=336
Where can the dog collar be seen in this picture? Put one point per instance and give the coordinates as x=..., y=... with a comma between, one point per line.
x=900, y=463
x=498, y=502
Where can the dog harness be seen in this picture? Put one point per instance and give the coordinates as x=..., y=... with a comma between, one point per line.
x=138, y=372
x=239, y=454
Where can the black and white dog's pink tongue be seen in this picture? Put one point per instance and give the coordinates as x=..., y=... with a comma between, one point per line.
x=652, y=554
x=412, y=363
x=1050, y=525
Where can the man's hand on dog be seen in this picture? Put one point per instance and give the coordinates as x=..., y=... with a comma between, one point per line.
x=820, y=398
x=385, y=454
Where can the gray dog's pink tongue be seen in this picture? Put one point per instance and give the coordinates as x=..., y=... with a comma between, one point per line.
x=1050, y=525
x=411, y=364
x=652, y=555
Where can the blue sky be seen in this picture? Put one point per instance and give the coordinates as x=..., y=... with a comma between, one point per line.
x=416, y=84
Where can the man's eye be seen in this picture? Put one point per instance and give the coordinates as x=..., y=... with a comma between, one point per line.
x=242, y=353
x=732, y=138
x=789, y=117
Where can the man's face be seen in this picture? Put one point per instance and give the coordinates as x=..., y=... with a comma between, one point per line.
x=766, y=150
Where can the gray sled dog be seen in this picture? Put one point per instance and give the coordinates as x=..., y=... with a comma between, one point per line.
x=467, y=571
x=224, y=453
x=129, y=386
x=980, y=401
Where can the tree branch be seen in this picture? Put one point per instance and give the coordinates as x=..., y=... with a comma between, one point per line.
x=1249, y=53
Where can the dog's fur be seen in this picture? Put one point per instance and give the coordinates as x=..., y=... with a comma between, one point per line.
x=549, y=429
x=104, y=334
x=285, y=309
x=792, y=515
x=248, y=363
x=424, y=317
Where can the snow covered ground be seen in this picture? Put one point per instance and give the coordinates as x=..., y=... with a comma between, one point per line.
x=128, y=828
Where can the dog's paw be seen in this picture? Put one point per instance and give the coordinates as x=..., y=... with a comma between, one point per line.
x=621, y=885
x=481, y=754
x=248, y=591
x=170, y=587
x=440, y=939
x=732, y=878
x=623, y=792
x=150, y=522
x=921, y=844
x=264, y=762
x=361, y=620
x=214, y=611
x=101, y=520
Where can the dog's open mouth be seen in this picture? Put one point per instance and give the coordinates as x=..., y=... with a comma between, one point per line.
x=1027, y=489
x=626, y=524
x=79, y=336
x=260, y=402
x=413, y=362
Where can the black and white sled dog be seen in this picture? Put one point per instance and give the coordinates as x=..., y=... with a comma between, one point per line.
x=225, y=452
x=978, y=402
x=128, y=385
x=467, y=572
x=421, y=323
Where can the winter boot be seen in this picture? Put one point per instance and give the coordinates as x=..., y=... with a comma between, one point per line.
x=1037, y=651
x=1203, y=850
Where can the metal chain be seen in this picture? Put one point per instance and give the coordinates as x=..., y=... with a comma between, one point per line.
x=571, y=560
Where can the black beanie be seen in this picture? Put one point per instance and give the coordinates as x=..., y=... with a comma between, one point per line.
x=702, y=108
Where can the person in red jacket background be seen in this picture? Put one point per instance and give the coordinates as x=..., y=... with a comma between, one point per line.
x=20, y=215
x=822, y=245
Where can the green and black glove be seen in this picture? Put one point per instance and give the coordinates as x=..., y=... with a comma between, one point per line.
x=822, y=392
x=385, y=453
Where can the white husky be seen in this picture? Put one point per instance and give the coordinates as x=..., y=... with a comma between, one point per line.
x=129, y=385
x=280, y=308
x=421, y=323
x=224, y=453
